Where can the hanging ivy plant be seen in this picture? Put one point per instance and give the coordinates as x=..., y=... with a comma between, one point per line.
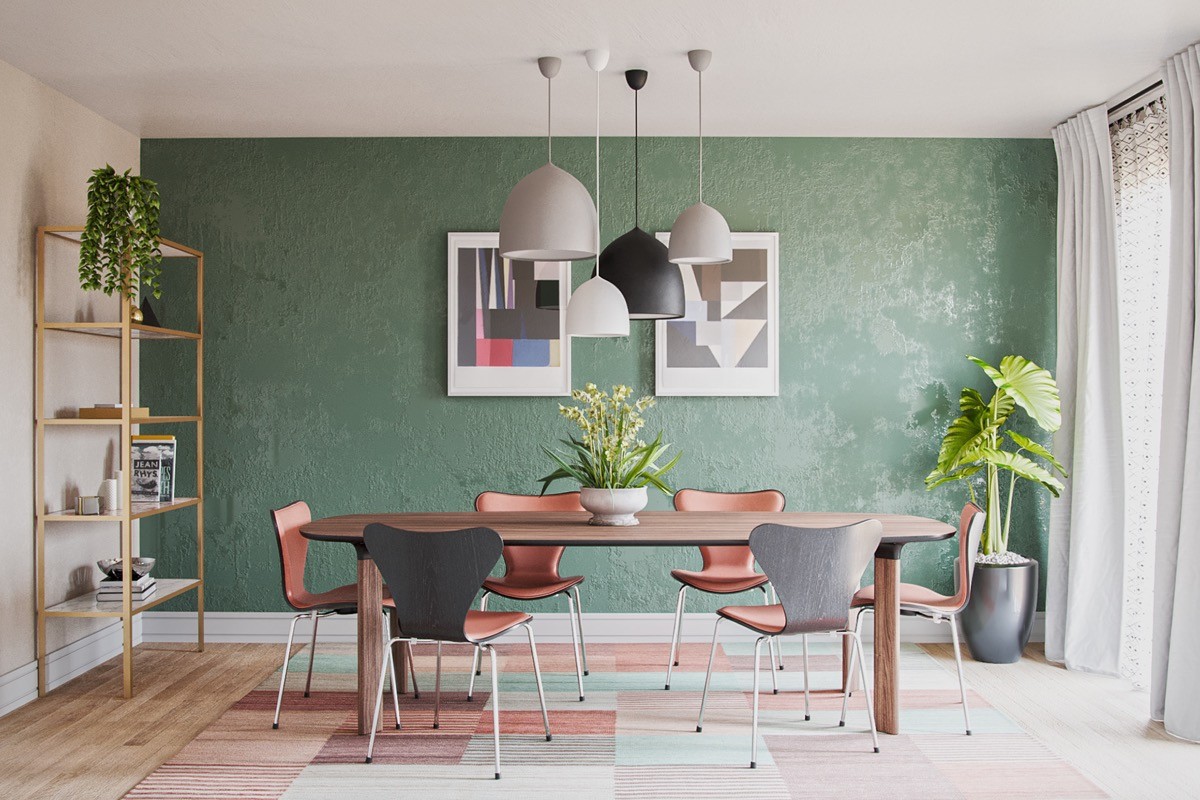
x=119, y=248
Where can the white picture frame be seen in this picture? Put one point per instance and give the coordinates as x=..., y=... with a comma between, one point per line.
x=683, y=346
x=494, y=369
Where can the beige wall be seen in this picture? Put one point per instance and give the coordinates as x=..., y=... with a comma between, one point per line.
x=48, y=146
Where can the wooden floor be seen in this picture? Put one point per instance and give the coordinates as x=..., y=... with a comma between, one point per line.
x=83, y=741
x=1100, y=725
x=86, y=743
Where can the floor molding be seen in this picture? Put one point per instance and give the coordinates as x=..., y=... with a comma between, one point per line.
x=180, y=626
x=19, y=686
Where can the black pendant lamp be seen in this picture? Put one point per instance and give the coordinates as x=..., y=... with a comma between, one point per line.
x=635, y=261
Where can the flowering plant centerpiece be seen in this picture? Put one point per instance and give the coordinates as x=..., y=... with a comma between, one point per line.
x=608, y=459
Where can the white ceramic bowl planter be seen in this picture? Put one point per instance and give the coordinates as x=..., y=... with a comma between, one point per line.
x=615, y=507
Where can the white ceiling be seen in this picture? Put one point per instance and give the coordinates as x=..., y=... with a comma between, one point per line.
x=168, y=68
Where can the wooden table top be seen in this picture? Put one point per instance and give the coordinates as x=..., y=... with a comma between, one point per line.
x=657, y=528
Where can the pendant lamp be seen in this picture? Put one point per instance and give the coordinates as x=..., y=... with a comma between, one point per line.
x=597, y=308
x=700, y=234
x=636, y=262
x=549, y=215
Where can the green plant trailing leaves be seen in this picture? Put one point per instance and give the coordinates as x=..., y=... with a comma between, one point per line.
x=119, y=247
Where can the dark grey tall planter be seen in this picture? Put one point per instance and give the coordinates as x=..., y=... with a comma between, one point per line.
x=998, y=618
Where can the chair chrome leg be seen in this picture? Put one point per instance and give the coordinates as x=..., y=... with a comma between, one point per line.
x=477, y=660
x=495, y=709
x=395, y=688
x=754, y=722
x=437, y=688
x=807, y=708
x=708, y=676
x=412, y=670
x=849, y=681
x=772, y=644
x=312, y=656
x=862, y=674
x=387, y=661
x=471, y=684
x=287, y=656
x=962, y=684
x=771, y=658
x=673, y=661
x=579, y=624
x=537, y=676
x=575, y=643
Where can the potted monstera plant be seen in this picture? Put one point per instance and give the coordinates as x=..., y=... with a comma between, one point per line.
x=119, y=251
x=982, y=451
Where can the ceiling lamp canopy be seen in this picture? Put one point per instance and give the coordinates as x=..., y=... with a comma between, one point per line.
x=636, y=262
x=597, y=308
x=700, y=234
x=549, y=215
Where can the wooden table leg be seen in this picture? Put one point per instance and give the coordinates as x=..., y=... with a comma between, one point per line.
x=370, y=640
x=399, y=655
x=887, y=643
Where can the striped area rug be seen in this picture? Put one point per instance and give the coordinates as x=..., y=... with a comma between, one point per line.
x=630, y=739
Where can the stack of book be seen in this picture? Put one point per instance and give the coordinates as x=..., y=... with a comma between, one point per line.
x=110, y=589
x=153, y=468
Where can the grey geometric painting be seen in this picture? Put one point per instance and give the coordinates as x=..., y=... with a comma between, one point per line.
x=726, y=321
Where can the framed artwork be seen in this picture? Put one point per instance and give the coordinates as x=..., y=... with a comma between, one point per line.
x=727, y=343
x=499, y=343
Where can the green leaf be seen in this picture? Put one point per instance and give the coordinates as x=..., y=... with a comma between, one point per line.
x=964, y=436
x=1032, y=387
x=1025, y=443
x=938, y=478
x=1024, y=468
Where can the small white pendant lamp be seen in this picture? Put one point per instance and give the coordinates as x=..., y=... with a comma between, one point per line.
x=700, y=234
x=597, y=308
x=549, y=215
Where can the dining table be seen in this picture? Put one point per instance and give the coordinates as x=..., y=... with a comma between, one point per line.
x=655, y=529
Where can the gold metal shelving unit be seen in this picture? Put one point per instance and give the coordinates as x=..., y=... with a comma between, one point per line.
x=124, y=332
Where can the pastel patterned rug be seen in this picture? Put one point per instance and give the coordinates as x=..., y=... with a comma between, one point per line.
x=629, y=739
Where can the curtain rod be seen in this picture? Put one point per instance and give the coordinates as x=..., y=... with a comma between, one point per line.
x=1120, y=108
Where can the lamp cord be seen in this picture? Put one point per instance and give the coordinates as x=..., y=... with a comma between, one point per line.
x=635, y=159
x=597, y=170
x=549, y=137
x=700, y=129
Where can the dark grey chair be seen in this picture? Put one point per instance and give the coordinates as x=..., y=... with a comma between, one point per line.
x=433, y=578
x=815, y=572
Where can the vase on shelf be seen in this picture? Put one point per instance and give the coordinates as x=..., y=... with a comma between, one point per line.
x=613, y=507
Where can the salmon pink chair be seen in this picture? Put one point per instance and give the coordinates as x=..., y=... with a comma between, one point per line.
x=726, y=569
x=531, y=571
x=293, y=554
x=918, y=600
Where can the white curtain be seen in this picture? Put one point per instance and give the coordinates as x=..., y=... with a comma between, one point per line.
x=1175, y=698
x=1085, y=574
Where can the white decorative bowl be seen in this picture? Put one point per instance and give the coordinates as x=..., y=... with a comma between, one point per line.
x=615, y=507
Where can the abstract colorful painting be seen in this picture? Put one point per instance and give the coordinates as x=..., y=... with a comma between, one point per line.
x=499, y=341
x=727, y=342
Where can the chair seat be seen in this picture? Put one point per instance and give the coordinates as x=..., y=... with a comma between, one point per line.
x=483, y=625
x=343, y=598
x=719, y=582
x=764, y=619
x=516, y=588
x=912, y=598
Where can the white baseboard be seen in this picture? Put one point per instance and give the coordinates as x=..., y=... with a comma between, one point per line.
x=179, y=626
x=19, y=686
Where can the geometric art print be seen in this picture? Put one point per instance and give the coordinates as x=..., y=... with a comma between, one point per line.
x=727, y=341
x=500, y=342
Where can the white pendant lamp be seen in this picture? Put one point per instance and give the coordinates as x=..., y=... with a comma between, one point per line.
x=700, y=234
x=597, y=308
x=549, y=215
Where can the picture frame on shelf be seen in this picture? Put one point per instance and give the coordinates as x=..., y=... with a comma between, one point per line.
x=500, y=341
x=727, y=342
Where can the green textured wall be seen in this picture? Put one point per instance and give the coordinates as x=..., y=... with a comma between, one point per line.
x=326, y=332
